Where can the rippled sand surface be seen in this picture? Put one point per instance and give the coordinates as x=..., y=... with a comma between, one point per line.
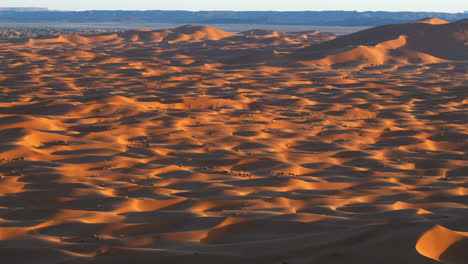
x=200, y=146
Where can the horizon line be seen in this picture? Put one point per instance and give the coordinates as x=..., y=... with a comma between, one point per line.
x=220, y=10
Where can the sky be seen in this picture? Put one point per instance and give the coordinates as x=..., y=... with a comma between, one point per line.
x=241, y=5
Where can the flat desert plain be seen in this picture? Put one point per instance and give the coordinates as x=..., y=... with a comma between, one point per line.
x=194, y=145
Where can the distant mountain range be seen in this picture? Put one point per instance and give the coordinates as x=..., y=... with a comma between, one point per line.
x=23, y=9
x=316, y=18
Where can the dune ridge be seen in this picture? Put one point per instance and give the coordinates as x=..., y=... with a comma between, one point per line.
x=188, y=33
x=443, y=245
x=430, y=20
x=424, y=41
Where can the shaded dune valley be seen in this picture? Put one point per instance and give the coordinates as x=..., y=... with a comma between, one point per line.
x=195, y=145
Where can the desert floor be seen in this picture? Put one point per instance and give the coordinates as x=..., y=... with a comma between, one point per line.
x=123, y=152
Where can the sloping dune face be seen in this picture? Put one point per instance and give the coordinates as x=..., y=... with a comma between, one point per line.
x=188, y=33
x=444, y=245
x=425, y=41
x=193, y=145
x=433, y=21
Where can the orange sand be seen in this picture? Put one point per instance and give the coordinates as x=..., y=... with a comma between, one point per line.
x=194, y=145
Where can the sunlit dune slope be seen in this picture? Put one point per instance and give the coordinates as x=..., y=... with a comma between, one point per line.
x=428, y=41
x=430, y=20
x=188, y=33
x=444, y=245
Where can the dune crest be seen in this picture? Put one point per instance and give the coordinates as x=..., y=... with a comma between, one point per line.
x=426, y=41
x=444, y=245
x=188, y=33
x=432, y=21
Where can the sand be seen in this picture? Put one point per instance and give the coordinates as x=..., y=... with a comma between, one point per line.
x=193, y=145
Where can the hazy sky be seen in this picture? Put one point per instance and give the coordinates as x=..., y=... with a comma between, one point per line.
x=293, y=5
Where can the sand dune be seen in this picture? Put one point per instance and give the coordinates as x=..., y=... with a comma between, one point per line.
x=263, y=33
x=193, y=145
x=426, y=41
x=444, y=245
x=432, y=21
x=188, y=33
